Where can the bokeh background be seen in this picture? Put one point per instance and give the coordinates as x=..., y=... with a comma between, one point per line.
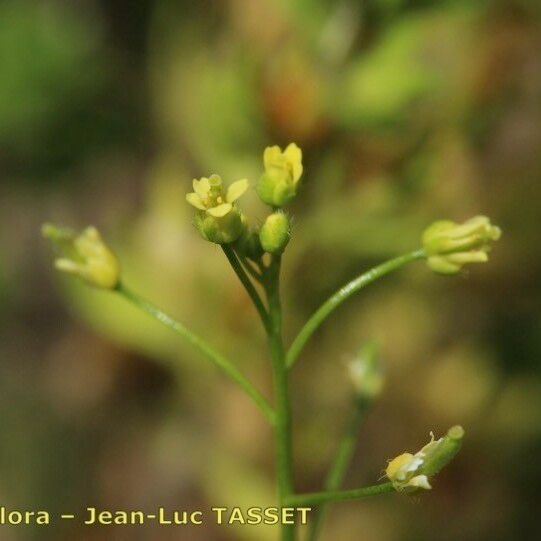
x=407, y=111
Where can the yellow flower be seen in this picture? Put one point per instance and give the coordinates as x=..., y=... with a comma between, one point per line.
x=449, y=245
x=84, y=255
x=209, y=195
x=410, y=471
x=218, y=219
x=278, y=184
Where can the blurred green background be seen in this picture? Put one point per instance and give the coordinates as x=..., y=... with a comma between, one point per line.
x=407, y=111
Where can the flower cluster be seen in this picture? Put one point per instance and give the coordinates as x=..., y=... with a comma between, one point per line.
x=219, y=220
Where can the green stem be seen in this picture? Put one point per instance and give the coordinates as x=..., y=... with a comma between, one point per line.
x=199, y=343
x=283, y=443
x=344, y=293
x=318, y=498
x=246, y=282
x=250, y=268
x=341, y=463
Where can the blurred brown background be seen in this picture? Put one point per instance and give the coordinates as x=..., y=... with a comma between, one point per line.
x=407, y=111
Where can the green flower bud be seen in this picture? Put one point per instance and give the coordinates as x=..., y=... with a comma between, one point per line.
x=449, y=245
x=275, y=233
x=218, y=220
x=84, y=255
x=248, y=244
x=410, y=472
x=278, y=184
x=366, y=374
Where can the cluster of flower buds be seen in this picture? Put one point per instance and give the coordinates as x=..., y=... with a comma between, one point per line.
x=409, y=471
x=449, y=246
x=84, y=255
x=219, y=220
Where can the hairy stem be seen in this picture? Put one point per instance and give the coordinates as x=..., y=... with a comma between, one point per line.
x=283, y=444
x=318, y=498
x=344, y=293
x=199, y=343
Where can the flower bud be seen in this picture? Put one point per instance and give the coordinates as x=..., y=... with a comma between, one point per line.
x=278, y=184
x=218, y=220
x=449, y=245
x=248, y=244
x=366, y=374
x=275, y=233
x=84, y=255
x=410, y=472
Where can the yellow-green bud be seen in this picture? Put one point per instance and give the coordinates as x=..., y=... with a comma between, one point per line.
x=275, y=233
x=366, y=374
x=278, y=184
x=218, y=219
x=449, y=245
x=84, y=255
x=410, y=472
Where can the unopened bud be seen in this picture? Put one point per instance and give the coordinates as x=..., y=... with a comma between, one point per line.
x=449, y=245
x=366, y=374
x=275, y=233
x=84, y=255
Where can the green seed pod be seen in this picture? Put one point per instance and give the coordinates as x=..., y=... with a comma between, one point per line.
x=439, y=453
x=275, y=233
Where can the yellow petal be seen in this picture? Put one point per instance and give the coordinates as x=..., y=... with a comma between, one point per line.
x=195, y=200
x=293, y=156
x=221, y=210
x=270, y=155
x=236, y=189
x=201, y=187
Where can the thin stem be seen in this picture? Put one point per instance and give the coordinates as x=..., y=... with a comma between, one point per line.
x=250, y=268
x=339, y=467
x=199, y=343
x=246, y=282
x=318, y=498
x=283, y=443
x=344, y=293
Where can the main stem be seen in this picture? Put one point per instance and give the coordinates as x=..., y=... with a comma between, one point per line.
x=282, y=427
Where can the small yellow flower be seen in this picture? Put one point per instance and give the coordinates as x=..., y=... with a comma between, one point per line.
x=401, y=471
x=218, y=219
x=449, y=245
x=84, y=255
x=410, y=471
x=283, y=169
x=209, y=195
